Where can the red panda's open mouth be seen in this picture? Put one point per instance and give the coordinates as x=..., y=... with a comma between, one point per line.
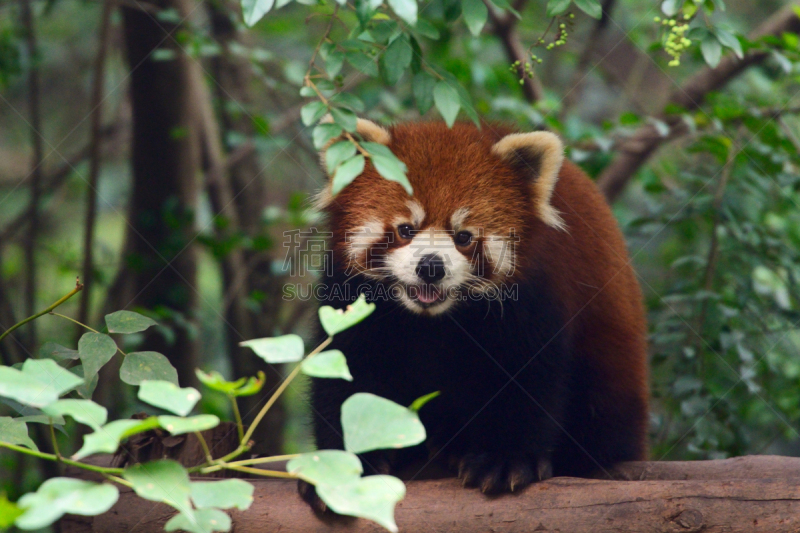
x=425, y=294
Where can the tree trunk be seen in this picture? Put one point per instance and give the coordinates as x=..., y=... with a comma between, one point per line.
x=160, y=268
x=746, y=494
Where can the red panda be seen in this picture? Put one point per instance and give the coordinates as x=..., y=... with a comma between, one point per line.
x=504, y=283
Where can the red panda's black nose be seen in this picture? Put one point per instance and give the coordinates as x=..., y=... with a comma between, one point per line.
x=430, y=268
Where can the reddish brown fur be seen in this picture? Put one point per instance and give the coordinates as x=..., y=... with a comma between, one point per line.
x=587, y=265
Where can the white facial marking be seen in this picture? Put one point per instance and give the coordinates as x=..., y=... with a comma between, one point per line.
x=459, y=217
x=500, y=253
x=417, y=212
x=360, y=239
x=403, y=262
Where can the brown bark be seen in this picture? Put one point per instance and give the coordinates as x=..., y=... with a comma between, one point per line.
x=747, y=494
x=635, y=151
x=160, y=259
x=240, y=196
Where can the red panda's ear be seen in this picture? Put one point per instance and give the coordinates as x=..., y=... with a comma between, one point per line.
x=369, y=132
x=540, y=155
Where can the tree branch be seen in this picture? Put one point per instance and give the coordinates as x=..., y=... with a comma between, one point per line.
x=646, y=140
x=96, y=107
x=505, y=29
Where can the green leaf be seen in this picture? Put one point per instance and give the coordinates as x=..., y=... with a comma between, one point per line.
x=506, y=6
x=729, y=40
x=199, y=521
x=95, y=349
x=8, y=512
x=347, y=172
x=47, y=371
x=362, y=63
x=332, y=467
x=177, y=425
x=423, y=91
x=254, y=10
x=396, y=59
x=671, y=7
x=387, y=165
x=140, y=366
x=372, y=497
x=240, y=387
x=590, y=7
x=324, y=133
x=25, y=388
x=227, y=494
x=312, y=112
x=405, y=9
x=128, y=322
x=161, y=481
x=426, y=29
x=108, y=437
x=329, y=364
x=333, y=63
x=15, y=431
x=712, y=50
x=337, y=153
x=370, y=422
x=89, y=385
x=61, y=495
x=447, y=101
x=417, y=404
x=557, y=7
x=475, y=15
x=349, y=101
x=83, y=411
x=345, y=118
x=169, y=396
x=273, y=350
x=51, y=350
x=337, y=320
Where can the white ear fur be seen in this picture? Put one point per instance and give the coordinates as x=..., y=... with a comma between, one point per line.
x=369, y=131
x=542, y=153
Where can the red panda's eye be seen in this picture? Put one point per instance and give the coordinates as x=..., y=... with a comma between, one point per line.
x=405, y=231
x=463, y=238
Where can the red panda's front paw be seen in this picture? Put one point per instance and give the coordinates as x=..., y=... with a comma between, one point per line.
x=494, y=473
x=309, y=493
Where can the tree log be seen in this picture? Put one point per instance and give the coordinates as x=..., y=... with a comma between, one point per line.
x=746, y=494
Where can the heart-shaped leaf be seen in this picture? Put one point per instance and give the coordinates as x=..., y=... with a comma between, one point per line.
x=329, y=364
x=199, y=521
x=240, y=387
x=161, y=481
x=83, y=411
x=25, y=388
x=169, y=396
x=283, y=349
x=15, y=431
x=370, y=422
x=108, y=437
x=61, y=495
x=95, y=350
x=332, y=467
x=128, y=322
x=48, y=371
x=254, y=10
x=178, y=425
x=141, y=366
x=226, y=494
x=51, y=350
x=337, y=320
x=371, y=497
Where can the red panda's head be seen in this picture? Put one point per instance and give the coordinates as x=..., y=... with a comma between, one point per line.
x=479, y=198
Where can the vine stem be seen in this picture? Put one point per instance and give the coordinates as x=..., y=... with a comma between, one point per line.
x=280, y=390
x=53, y=457
x=238, y=416
x=247, y=462
x=78, y=288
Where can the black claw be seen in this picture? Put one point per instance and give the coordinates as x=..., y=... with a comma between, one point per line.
x=544, y=468
x=495, y=473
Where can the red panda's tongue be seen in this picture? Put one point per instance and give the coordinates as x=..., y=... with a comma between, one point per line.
x=428, y=294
